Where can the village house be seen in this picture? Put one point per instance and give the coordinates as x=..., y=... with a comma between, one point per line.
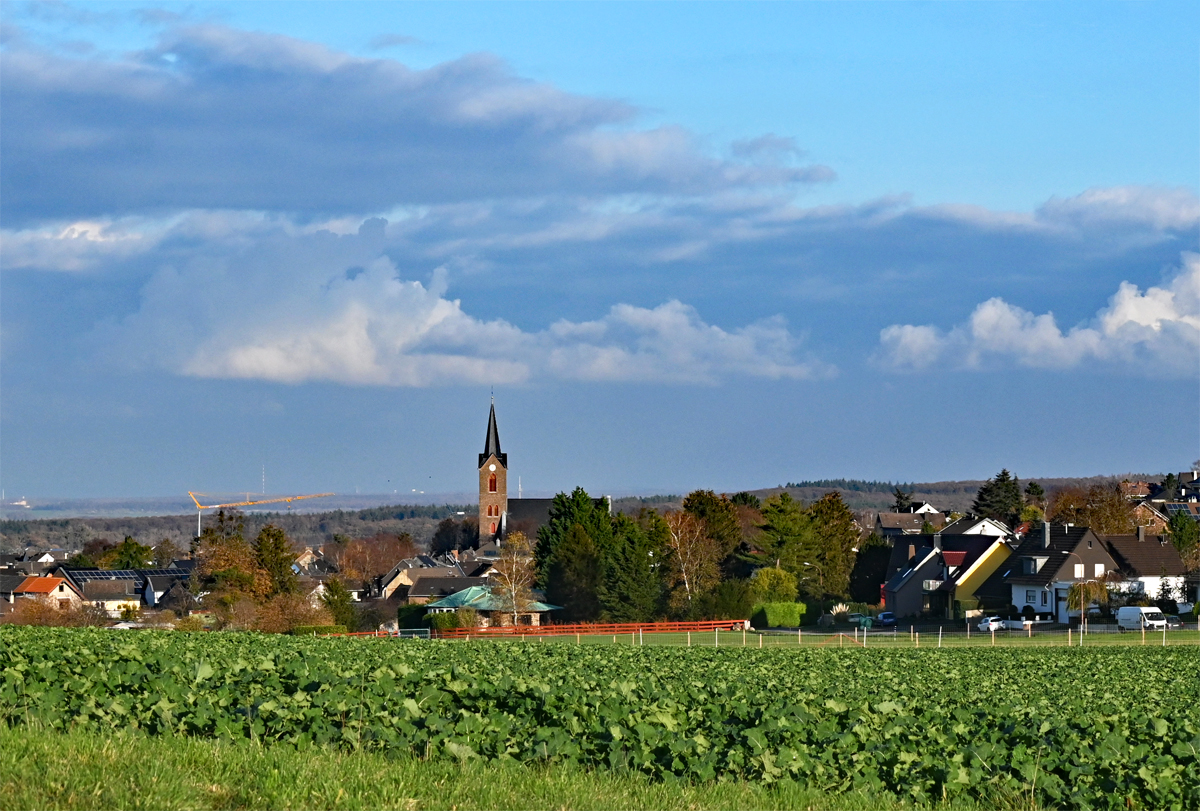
x=1149, y=564
x=490, y=609
x=1038, y=575
x=937, y=575
x=892, y=525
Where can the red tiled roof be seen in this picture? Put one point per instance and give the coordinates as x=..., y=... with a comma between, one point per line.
x=954, y=558
x=39, y=585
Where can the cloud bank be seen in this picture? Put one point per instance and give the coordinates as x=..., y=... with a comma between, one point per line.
x=215, y=117
x=324, y=307
x=1158, y=330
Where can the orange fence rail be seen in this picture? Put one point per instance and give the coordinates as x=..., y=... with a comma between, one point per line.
x=593, y=629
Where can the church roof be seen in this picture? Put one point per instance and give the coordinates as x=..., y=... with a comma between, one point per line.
x=491, y=445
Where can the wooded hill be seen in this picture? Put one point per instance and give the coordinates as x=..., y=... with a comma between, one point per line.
x=420, y=521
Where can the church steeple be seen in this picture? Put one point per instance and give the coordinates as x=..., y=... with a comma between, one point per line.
x=493, y=483
x=491, y=445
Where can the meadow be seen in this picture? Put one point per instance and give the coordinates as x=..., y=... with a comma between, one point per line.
x=1095, y=727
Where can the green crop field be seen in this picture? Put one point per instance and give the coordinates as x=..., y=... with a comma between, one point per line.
x=1101, y=727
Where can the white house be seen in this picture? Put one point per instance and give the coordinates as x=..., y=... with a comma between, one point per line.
x=1150, y=564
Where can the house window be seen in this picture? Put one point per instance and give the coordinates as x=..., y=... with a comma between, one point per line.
x=492, y=483
x=1030, y=597
x=1078, y=571
x=1045, y=597
x=1099, y=569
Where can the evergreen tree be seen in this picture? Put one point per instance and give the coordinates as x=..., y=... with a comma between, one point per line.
x=566, y=511
x=902, y=500
x=340, y=604
x=1169, y=487
x=1000, y=499
x=837, y=537
x=719, y=517
x=129, y=554
x=574, y=576
x=744, y=499
x=788, y=541
x=274, y=555
x=631, y=589
x=1035, y=496
x=1185, y=533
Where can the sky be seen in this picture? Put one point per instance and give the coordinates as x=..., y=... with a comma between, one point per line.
x=719, y=245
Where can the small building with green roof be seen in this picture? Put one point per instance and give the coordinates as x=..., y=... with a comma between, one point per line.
x=490, y=608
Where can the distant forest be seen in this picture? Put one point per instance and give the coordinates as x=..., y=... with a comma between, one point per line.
x=305, y=528
x=876, y=496
x=420, y=521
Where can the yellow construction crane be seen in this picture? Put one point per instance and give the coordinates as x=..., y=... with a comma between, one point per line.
x=200, y=508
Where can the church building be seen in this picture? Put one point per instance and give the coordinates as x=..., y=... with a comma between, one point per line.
x=498, y=515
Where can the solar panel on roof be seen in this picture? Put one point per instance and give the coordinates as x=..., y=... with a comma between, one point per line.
x=82, y=576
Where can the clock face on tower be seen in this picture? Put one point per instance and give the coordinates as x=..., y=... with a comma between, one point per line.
x=491, y=467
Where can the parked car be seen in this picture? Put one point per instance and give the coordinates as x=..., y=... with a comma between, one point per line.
x=855, y=619
x=991, y=624
x=1173, y=622
x=886, y=620
x=1137, y=617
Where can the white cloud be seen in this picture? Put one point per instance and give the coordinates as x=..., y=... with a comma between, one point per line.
x=368, y=327
x=1158, y=329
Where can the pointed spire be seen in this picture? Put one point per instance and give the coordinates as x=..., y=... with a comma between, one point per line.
x=491, y=446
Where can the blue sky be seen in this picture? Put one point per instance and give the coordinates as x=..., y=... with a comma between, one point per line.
x=719, y=245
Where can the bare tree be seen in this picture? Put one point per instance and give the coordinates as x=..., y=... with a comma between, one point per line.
x=513, y=575
x=693, y=557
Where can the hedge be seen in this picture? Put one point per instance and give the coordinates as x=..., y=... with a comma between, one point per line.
x=318, y=630
x=777, y=615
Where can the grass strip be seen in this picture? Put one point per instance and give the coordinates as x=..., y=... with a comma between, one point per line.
x=80, y=771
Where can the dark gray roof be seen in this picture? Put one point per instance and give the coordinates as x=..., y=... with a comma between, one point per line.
x=184, y=564
x=909, y=522
x=1066, y=542
x=162, y=582
x=491, y=444
x=1153, y=557
x=8, y=582
x=109, y=589
x=527, y=515
x=443, y=586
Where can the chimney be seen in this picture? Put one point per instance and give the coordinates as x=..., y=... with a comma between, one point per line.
x=912, y=551
x=1045, y=535
x=937, y=540
x=1141, y=534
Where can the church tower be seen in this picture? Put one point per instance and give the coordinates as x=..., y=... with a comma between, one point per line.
x=493, y=483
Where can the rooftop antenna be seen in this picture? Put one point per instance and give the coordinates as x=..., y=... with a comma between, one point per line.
x=518, y=487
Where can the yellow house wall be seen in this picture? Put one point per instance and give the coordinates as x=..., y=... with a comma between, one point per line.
x=984, y=567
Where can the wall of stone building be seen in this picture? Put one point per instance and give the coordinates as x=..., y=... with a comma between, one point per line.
x=497, y=501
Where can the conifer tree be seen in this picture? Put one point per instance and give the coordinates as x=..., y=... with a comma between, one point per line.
x=574, y=576
x=1000, y=498
x=274, y=555
x=631, y=586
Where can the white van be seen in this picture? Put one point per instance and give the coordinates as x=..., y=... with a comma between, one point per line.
x=1137, y=617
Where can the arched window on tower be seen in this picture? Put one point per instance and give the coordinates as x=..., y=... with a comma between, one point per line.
x=492, y=483
x=493, y=527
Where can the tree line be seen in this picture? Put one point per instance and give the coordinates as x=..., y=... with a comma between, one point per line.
x=706, y=560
